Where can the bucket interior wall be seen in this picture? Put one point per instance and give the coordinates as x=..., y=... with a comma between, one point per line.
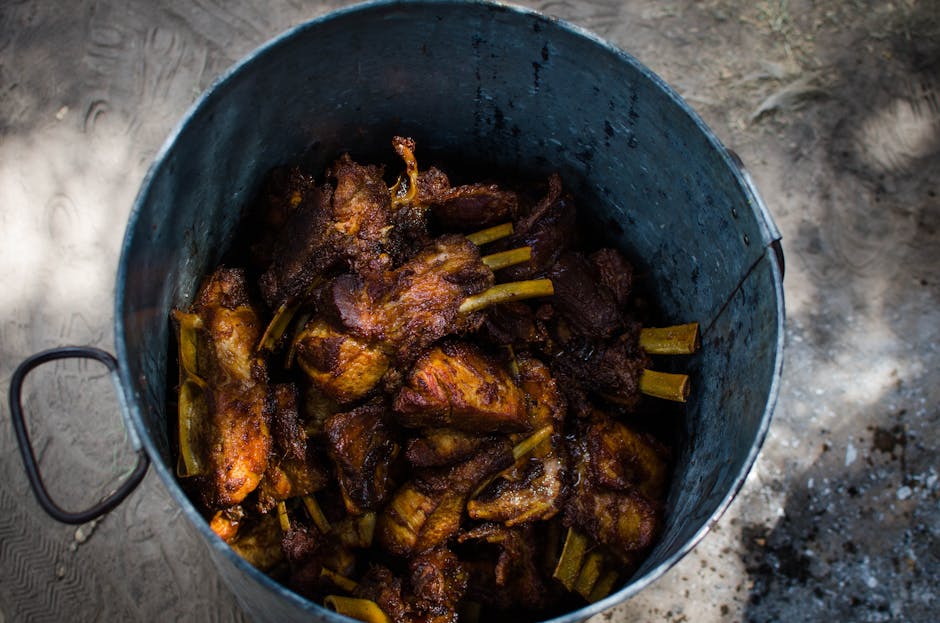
x=480, y=84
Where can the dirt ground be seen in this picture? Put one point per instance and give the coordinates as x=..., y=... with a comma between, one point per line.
x=833, y=105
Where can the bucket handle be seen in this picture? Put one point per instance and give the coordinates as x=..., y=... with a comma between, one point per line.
x=26, y=448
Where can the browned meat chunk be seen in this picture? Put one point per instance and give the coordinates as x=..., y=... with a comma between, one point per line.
x=362, y=449
x=341, y=365
x=512, y=324
x=532, y=490
x=610, y=369
x=387, y=319
x=236, y=439
x=588, y=307
x=465, y=208
x=442, y=446
x=282, y=193
x=426, y=512
x=515, y=580
x=383, y=587
x=455, y=385
x=614, y=273
x=623, y=459
x=349, y=222
x=439, y=582
x=294, y=469
x=624, y=519
x=548, y=229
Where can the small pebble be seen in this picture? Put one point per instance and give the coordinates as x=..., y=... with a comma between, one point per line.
x=904, y=492
x=850, y=454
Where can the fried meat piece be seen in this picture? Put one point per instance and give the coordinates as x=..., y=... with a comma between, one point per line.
x=455, y=385
x=415, y=305
x=533, y=490
x=342, y=365
x=237, y=439
x=383, y=587
x=373, y=324
x=623, y=518
x=282, y=192
x=260, y=543
x=512, y=324
x=610, y=369
x=624, y=459
x=474, y=206
x=426, y=511
x=362, y=448
x=548, y=229
x=588, y=307
x=347, y=222
x=442, y=446
x=515, y=579
x=294, y=469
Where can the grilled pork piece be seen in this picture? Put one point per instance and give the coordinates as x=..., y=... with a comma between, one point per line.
x=607, y=368
x=623, y=517
x=426, y=511
x=532, y=490
x=294, y=469
x=442, y=446
x=388, y=319
x=455, y=385
x=236, y=437
x=362, y=448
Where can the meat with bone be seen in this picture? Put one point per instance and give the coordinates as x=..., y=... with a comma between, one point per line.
x=533, y=490
x=456, y=385
x=427, y=511
x=623, y=517
x=362, y=448
x=373, y=322
x=235, y=435
x=295, y=468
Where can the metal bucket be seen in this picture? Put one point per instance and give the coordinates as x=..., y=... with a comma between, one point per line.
x=479, y=83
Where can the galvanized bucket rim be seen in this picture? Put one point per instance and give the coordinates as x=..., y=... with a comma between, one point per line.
x=135, y=401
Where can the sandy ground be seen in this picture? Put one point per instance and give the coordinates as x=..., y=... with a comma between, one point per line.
x=835, y=108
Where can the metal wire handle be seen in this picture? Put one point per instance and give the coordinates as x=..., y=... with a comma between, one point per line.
x=26, y=448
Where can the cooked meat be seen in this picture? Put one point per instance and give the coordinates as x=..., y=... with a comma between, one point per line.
x=237, y=438
x=380, y=585
x=515, y=580
x=341, y=365
x=282, y=192
x=588, y=307
x=623, y=459
x=614, y=273
x=306, y=246
x=415, y=305
x=455, y=385
x=294, y=468
x=426, y=512
x=362, y=448
x=474, y=206
x=389, y=319
x=347, y=222
x=512, y=324
x=547, y=229
x=439, y=582
x=533, y=490
x=499, y=407
x=442, y=446
x=610, y=369
x=623, y=519
x=260, y=543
